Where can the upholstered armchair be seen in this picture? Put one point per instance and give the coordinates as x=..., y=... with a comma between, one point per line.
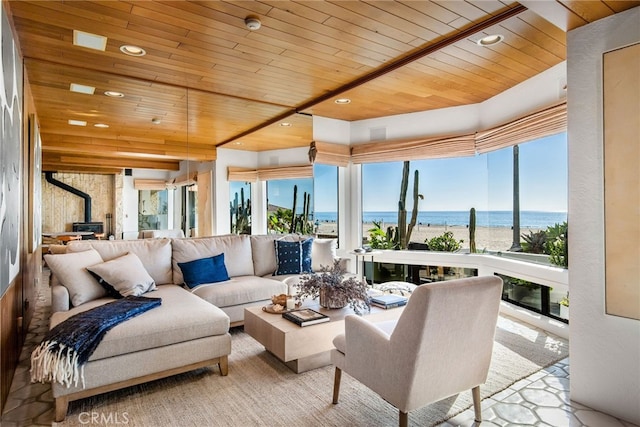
x=440, y=346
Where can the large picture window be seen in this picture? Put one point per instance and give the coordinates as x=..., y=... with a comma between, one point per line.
x=240, y=207
x=325, y=187
x=290, y=206
x=449, y=188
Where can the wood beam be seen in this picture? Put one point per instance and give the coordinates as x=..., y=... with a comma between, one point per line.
x=163, y=150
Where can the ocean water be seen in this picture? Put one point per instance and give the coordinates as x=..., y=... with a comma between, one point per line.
x=528, y=219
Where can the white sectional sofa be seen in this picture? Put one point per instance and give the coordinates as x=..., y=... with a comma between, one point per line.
x=191, y=327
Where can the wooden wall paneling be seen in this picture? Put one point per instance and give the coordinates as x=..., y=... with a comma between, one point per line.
x=621, y=74
x=32, y=209
x=10, y=338
x=303, y=51
x=12, y=206
x=205, y=203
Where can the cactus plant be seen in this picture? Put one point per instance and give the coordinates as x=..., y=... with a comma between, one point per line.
x=292, y=228
x=472, y=230
x=402, y=233
x=240, y=211
x=299, y=223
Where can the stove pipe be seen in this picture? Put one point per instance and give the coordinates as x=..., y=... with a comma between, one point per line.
x=87, y=198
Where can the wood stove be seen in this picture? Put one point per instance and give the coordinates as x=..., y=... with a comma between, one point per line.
x=94, y=227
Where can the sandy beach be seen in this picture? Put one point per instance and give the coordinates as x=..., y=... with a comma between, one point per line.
x=490, y=238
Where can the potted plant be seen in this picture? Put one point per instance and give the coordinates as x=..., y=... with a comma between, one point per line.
x=334, y=290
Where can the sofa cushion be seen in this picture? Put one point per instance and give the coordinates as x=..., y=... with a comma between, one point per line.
x=293, y=257
x=71, y=271
x=155, y=254
x=264, y=254
x=181, y=317
x=204, y=270
x=125, y=274
x=240, y=290
x=323, y=253
x=236, y=249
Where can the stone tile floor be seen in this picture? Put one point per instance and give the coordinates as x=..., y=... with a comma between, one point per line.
x=542, y=399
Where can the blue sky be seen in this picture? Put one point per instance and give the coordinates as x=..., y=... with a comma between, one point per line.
x=483, y=181
x=457, y=184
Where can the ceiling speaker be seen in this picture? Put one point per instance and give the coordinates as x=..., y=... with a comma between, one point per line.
x=252, y=23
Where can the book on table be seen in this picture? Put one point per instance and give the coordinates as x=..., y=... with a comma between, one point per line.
x=305, y=317
x=389, y=300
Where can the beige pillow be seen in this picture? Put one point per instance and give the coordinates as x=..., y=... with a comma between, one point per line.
x=71, y=271
x=323, y=253
x=155, y=254
x=125, y=274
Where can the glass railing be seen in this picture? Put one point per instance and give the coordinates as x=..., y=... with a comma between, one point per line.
x=540, y=288
x=535, y=297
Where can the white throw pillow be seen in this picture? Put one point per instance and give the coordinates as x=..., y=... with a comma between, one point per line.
x=323, y=253
x=71, y=271
x=125, y=274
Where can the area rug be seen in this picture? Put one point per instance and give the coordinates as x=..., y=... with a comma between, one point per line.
x=261, y=391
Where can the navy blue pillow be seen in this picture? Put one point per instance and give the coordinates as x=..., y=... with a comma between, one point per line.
x=306, y=256
x=293, y=257
x=288, y=256
x=204, y=270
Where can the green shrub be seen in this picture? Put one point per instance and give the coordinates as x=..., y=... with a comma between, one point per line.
x=279, y=221
x=444, y=243
x=534, y=242
x=557, y=244
x=379, y=239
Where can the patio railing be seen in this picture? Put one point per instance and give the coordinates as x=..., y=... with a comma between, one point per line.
x=532, y=290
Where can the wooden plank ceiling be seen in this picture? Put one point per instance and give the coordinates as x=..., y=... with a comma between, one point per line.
x=208, y=81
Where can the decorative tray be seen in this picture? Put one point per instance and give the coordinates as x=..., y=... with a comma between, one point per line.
x=269, y=309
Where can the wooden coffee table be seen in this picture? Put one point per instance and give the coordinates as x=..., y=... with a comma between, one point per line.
x=309, y=347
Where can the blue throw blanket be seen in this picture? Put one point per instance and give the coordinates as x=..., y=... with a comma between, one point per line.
x=67, y=347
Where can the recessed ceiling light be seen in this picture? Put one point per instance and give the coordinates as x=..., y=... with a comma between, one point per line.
x=75, y=87
x=285, y=124
x=114, y=94
x=101, y=125
x=156, y=121
x=490, y=40
x=342, y=101
x=77, y=123
x=132, y=50
x=88, y=40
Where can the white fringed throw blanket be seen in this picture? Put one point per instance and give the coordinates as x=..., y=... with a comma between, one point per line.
x=67, y=347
